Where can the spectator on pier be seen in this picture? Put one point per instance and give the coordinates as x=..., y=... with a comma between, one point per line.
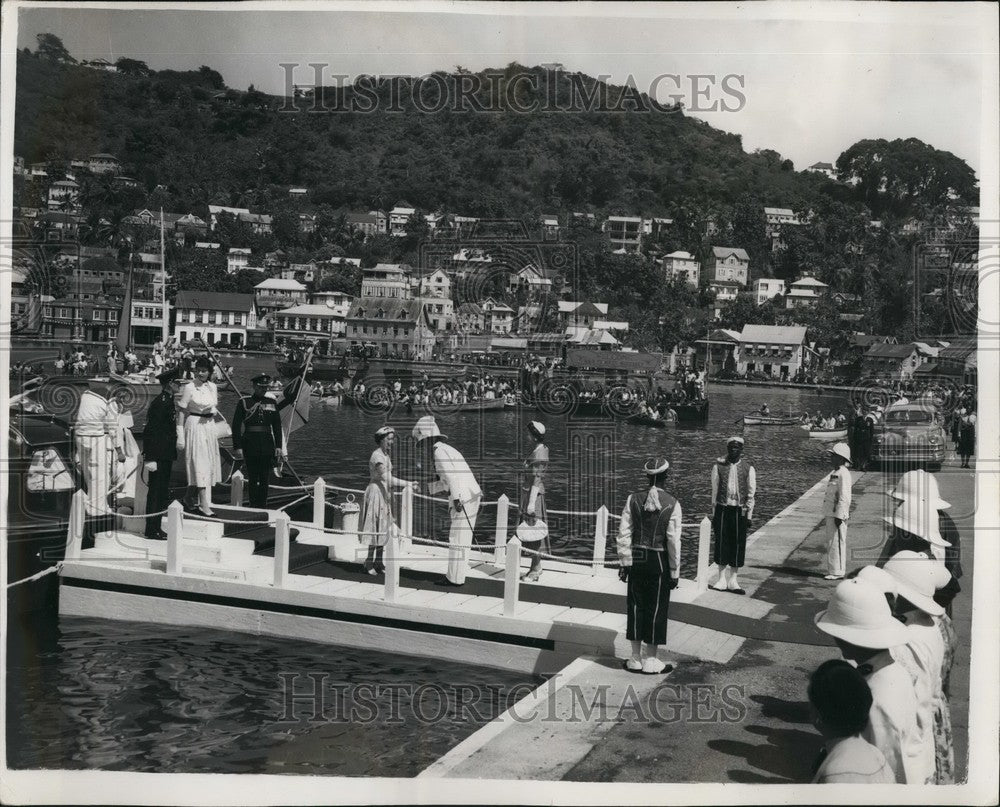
x=920, y=524
x=840, y=701
x=734, y=492
x=836, y=510
x=196, y=437
x=966, y=435
x=378, y=511
x=533, y=491
x=649, y=549
x=917, y=578
x=862, y=625
x=453, y=475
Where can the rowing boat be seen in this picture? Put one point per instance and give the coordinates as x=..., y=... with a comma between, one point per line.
x=825, y=434
x=770, y=420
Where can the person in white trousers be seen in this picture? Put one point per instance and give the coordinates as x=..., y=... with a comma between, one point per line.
x=464, y=494
x=837, y=509
x=97, y=435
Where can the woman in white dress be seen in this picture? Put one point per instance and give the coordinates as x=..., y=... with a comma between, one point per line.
x=196, y=436
x=377, y=507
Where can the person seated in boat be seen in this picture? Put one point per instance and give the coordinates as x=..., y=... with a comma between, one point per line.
x=765, y=411
x=841, y=420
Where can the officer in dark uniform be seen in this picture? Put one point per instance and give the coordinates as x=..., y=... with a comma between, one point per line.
x=159, y=438
x=257, y=438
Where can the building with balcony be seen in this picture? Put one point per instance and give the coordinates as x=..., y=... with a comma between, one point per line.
x=308, y=322
x=394, y=327
x=399, y=218
x=237, y=259
x=777, y=351
x=624, y=232
x=104, y=164
x=730, y=264
x=497, y=317
x=337, y=301
x=64, y=195
x=390, y=280
x=805, y=293
x=275, y=294
x=767, y=288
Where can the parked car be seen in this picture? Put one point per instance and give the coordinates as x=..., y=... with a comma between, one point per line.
x=910, y=433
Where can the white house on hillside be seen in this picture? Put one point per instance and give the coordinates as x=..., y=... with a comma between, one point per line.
x=682, y=266
x=767, y=288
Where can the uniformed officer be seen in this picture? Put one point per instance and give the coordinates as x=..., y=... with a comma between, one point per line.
x=257, y=438
x=159, y=450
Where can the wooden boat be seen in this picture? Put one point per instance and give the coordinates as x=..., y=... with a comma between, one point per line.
x=825, y=434
x=646, y=420
x=770, y=420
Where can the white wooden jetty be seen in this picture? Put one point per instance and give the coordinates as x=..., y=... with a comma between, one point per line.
x=201, y=577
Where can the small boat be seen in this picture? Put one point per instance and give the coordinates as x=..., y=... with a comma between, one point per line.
x=770, y=420
x=825, y=434
x=647, y=420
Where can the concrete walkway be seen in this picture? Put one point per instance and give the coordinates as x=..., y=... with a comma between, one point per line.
x=743, y=720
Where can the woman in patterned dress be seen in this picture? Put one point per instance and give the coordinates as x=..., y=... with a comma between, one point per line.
x=377, y=511
x=944, y=751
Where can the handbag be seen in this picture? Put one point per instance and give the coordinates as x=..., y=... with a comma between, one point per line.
x=221, y=426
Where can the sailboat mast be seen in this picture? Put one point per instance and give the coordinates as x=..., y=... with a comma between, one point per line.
x=165, y=321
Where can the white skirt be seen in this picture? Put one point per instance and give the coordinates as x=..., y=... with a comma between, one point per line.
x=201, y=453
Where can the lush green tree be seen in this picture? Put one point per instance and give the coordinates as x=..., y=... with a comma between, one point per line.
x=132, y=67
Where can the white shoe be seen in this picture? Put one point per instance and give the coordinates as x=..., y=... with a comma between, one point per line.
x=633, y=665
x=719, y=585
x=653, y=666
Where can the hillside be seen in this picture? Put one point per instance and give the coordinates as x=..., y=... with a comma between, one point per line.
x=168, y=128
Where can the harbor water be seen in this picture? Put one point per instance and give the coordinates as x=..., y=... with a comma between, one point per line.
x=87, y=693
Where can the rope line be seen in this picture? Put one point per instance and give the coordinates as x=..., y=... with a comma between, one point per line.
x=37, y=576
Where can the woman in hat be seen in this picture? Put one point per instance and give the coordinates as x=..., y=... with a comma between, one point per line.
x=837, y=509
x=378, y=518
x=859, y=620
x=532, y=503
x=196, y=436
x=967, y=436
x=649, y=549
x=917, y=577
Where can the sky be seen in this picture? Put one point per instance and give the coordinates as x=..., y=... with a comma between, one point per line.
x=813, y=84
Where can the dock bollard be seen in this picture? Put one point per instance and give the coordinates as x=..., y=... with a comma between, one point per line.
x=704, y=539
x=500, y=541
x=175, y=536
x=600, y=538
x=391, y=566
x=77, y=517
x=351, y=512
x=281, y=550
x=319, y=502
x=512, y=577
x=236, y=489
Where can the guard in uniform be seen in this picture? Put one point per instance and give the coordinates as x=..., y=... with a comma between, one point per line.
x=159, y=450
x=257, y=438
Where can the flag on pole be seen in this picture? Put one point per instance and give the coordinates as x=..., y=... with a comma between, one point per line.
x=294, y=406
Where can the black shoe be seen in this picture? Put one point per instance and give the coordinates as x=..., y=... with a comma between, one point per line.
x=159, y=535
x=448, y=584
x=379, y=567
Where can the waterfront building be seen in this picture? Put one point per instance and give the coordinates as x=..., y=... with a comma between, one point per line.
x=682, y=266
x=804, y=293
x=779, y=351
x=147, y=320
x=393, y=326
x=767, y=288
x=580, y=314
x=219, y=317
x=717, y=348
x=731, y=264
x=275, y=294
x=90, y=320
x=893, y=362
x=309, y=322
x=958, y=361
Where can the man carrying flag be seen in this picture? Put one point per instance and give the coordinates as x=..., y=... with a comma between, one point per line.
x=294, y=405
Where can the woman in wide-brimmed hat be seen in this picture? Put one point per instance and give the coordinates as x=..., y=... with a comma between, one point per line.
x=197, y=436
x=378, y=518
x=925, y=656
x=860, y=621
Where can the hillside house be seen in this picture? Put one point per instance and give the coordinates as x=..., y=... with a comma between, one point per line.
x=727, y=264
x=682, y=266
x=237, y=259
x=374, y=222
x=826, y=169
x=496, y=316
x=624, y=232
x=399, y=218
x=804, y=293
x=387, y=280
x=767, y=288
x=275, y=294
x=104, y=164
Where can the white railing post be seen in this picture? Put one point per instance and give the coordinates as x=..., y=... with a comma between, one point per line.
x=281, y=550
x=704, y=540
x=391, y=566
x=77, y=517
x=512, y=577
x=500, y=541
x=406, y=511
x=319, y=502
x=175, y=536
x=600, y=538
x=236, y=489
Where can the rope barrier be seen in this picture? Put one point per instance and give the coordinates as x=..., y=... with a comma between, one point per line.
x=37, y=576
x=141, y=515
x=294, y=501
